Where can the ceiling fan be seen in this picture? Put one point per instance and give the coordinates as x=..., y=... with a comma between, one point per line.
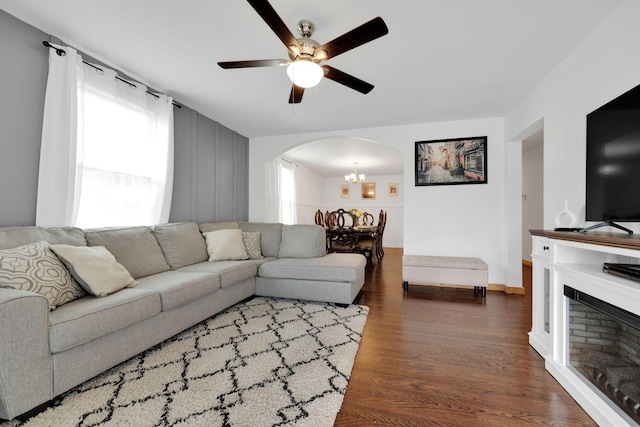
x=305, y=54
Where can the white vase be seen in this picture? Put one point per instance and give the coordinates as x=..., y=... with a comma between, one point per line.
x=571, y=216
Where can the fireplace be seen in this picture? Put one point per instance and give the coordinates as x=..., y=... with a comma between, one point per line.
x=604, y=349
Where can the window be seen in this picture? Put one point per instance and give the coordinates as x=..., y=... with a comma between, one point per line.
x=122, y=154
x=287, y=193
x=106, y=157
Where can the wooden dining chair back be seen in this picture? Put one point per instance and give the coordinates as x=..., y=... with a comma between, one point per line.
x=367, y=219
x=382, y=223
x=319, y=218
x=330, y=219
x=341, y=235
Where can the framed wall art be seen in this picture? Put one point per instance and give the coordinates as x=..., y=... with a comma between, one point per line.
x=451, y=161
x=344, y=191
x=368, y=190
x=393, y=189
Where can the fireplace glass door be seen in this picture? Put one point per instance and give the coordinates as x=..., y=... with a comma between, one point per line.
x=604, y=347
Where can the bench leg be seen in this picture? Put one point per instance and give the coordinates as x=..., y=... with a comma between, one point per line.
x=405, y=285
x=484, y=291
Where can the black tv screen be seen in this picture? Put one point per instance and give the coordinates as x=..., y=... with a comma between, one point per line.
x=613, y=160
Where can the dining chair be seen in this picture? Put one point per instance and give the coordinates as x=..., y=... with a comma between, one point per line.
x=382, y=223
x=341, y=236
x=367, y=219
x=319, y=218
x=369, y=245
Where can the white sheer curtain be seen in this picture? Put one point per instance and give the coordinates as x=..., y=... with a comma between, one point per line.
x=58, y=183
x=283, y=192
x=119, y=147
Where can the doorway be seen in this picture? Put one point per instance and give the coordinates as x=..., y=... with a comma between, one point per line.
x=532, y=199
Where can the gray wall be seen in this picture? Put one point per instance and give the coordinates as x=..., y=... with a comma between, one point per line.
x=211, y=161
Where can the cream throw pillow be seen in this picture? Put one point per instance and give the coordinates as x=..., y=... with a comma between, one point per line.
x=95, y=268
x=35, y=268
x=225, y=245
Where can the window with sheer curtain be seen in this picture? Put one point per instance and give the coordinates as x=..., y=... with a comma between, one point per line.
x=287, y=193
x=113, y=164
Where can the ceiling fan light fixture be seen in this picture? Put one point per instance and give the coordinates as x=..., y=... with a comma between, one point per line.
x=305, y=73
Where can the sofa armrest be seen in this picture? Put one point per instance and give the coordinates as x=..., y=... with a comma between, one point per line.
x=25, y=359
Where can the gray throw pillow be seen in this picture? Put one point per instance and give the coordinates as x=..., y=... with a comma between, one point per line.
x=251, y=242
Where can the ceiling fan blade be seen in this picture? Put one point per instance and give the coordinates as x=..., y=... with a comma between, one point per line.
x=254, y=63
x=273, y=20
x=358, y=36
x=295, y=97
x=347, y=79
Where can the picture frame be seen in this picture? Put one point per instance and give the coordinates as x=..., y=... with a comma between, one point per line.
x=368, y=190
x=393, y=189
x=344, y=191
x=451, y=161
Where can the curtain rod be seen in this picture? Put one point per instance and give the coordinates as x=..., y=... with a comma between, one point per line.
x=61, y=52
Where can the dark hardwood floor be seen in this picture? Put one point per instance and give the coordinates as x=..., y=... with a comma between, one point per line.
x=446, y=357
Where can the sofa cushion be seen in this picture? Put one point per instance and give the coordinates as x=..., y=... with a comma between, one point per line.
x=331, y=268
x=135, y=248
x=251, y=240
x=178, y=288
x=94, y=268
x=206, y=227
x=270, y=235
x=12, y=237
x=34, y=267
x=182, y=243
x=303, y=241
x=88, y=318
x=225, y=245
x=230, y=272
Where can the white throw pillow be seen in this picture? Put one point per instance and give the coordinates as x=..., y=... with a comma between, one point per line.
x=225, y=245
x=95, y=268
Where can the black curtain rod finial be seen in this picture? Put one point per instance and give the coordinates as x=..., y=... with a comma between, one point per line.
x=59, y=51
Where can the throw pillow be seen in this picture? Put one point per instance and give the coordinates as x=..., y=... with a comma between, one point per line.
x=34, y=267
x=95, y=268
x=251, y=242
x=225, y=245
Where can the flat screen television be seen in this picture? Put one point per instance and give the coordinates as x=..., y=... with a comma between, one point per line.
x=613, y=162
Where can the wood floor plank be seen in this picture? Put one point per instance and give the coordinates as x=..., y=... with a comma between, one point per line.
x=445, y=357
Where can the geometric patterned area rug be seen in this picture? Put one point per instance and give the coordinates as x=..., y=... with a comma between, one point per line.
x=263, y=362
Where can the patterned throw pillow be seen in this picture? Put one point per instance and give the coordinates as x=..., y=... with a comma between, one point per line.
x=34, y=267
x=251, y=242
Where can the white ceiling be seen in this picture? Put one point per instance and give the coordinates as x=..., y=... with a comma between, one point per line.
x=442, y=59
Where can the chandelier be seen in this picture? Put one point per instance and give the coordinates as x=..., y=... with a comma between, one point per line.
x=354, y=177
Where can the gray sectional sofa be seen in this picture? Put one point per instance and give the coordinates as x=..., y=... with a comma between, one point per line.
x=44, y=352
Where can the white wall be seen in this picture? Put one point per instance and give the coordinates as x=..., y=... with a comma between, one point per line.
x=309, y=194
x=464, y=220
x=605, y=65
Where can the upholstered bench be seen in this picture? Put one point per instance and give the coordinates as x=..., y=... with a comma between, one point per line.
x=463, y=271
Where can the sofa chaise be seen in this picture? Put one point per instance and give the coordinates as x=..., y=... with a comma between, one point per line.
x=174, y=276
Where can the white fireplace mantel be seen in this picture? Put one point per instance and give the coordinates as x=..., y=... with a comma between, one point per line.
x=575, y=259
